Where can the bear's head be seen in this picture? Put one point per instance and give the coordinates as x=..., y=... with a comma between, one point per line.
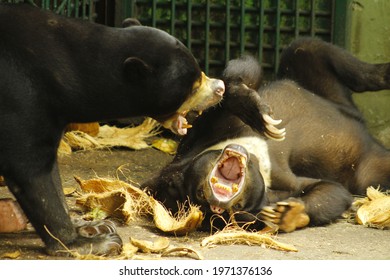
x=168, y=77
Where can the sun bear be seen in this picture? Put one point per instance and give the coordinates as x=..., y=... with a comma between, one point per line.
x=325, y=155
x=55, y=71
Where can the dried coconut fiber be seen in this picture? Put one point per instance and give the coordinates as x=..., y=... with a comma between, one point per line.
x=87, y=138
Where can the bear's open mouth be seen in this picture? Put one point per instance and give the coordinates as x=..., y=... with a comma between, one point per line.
x=181, y=124
x=206, y=92
x=227, y=178
x=177, y=123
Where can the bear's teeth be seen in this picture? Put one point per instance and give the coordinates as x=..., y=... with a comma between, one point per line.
x=214, y=180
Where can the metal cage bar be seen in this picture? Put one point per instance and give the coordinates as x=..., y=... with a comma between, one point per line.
x=216, y=31
x=227, y=31
x=207, y=39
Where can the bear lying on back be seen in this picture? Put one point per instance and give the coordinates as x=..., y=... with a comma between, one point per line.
x=327, y=153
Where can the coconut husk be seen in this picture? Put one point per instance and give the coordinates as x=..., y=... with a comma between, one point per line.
x=373, y=210
x=114, y=197
x=64, y=148
x=78, y=140
x=108, y=137
x=240, y=236
x=115, y=204
x=126, y=202
x=157, y=246
x=101, y=185
x=131, y=137
x=185, y=221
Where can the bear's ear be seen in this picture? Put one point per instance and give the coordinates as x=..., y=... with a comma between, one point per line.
x=129, y=22
x=136, y=68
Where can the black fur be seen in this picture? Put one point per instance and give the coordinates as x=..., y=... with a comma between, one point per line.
x=56, y=70
x=327, y=154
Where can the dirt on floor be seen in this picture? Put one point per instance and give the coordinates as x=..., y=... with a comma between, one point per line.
x=341, y=240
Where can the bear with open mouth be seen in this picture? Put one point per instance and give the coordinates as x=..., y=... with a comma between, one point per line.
x=306, y=173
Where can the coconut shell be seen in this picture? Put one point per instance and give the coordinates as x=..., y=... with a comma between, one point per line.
x=156, y=246
x=115, y=197
x=101, y=185
x=185, y=222
x=112, y=203
x=374, y=210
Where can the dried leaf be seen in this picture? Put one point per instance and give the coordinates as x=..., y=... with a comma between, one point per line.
x=11, y=255
x=165, y=145
x=95, y=214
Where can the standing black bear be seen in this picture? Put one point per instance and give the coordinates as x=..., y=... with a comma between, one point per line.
x=223, y=165
x=55, y=70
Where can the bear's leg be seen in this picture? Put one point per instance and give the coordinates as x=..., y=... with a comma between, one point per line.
x=41, y=197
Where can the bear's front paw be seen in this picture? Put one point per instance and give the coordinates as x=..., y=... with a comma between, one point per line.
x=95, y=238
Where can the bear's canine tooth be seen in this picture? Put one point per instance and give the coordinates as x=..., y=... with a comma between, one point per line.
x=186, y=125
x=214, y=179
x=235, y=188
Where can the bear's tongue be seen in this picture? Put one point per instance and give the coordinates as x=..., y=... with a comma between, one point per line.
x=177, y=123
x=181, y=125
